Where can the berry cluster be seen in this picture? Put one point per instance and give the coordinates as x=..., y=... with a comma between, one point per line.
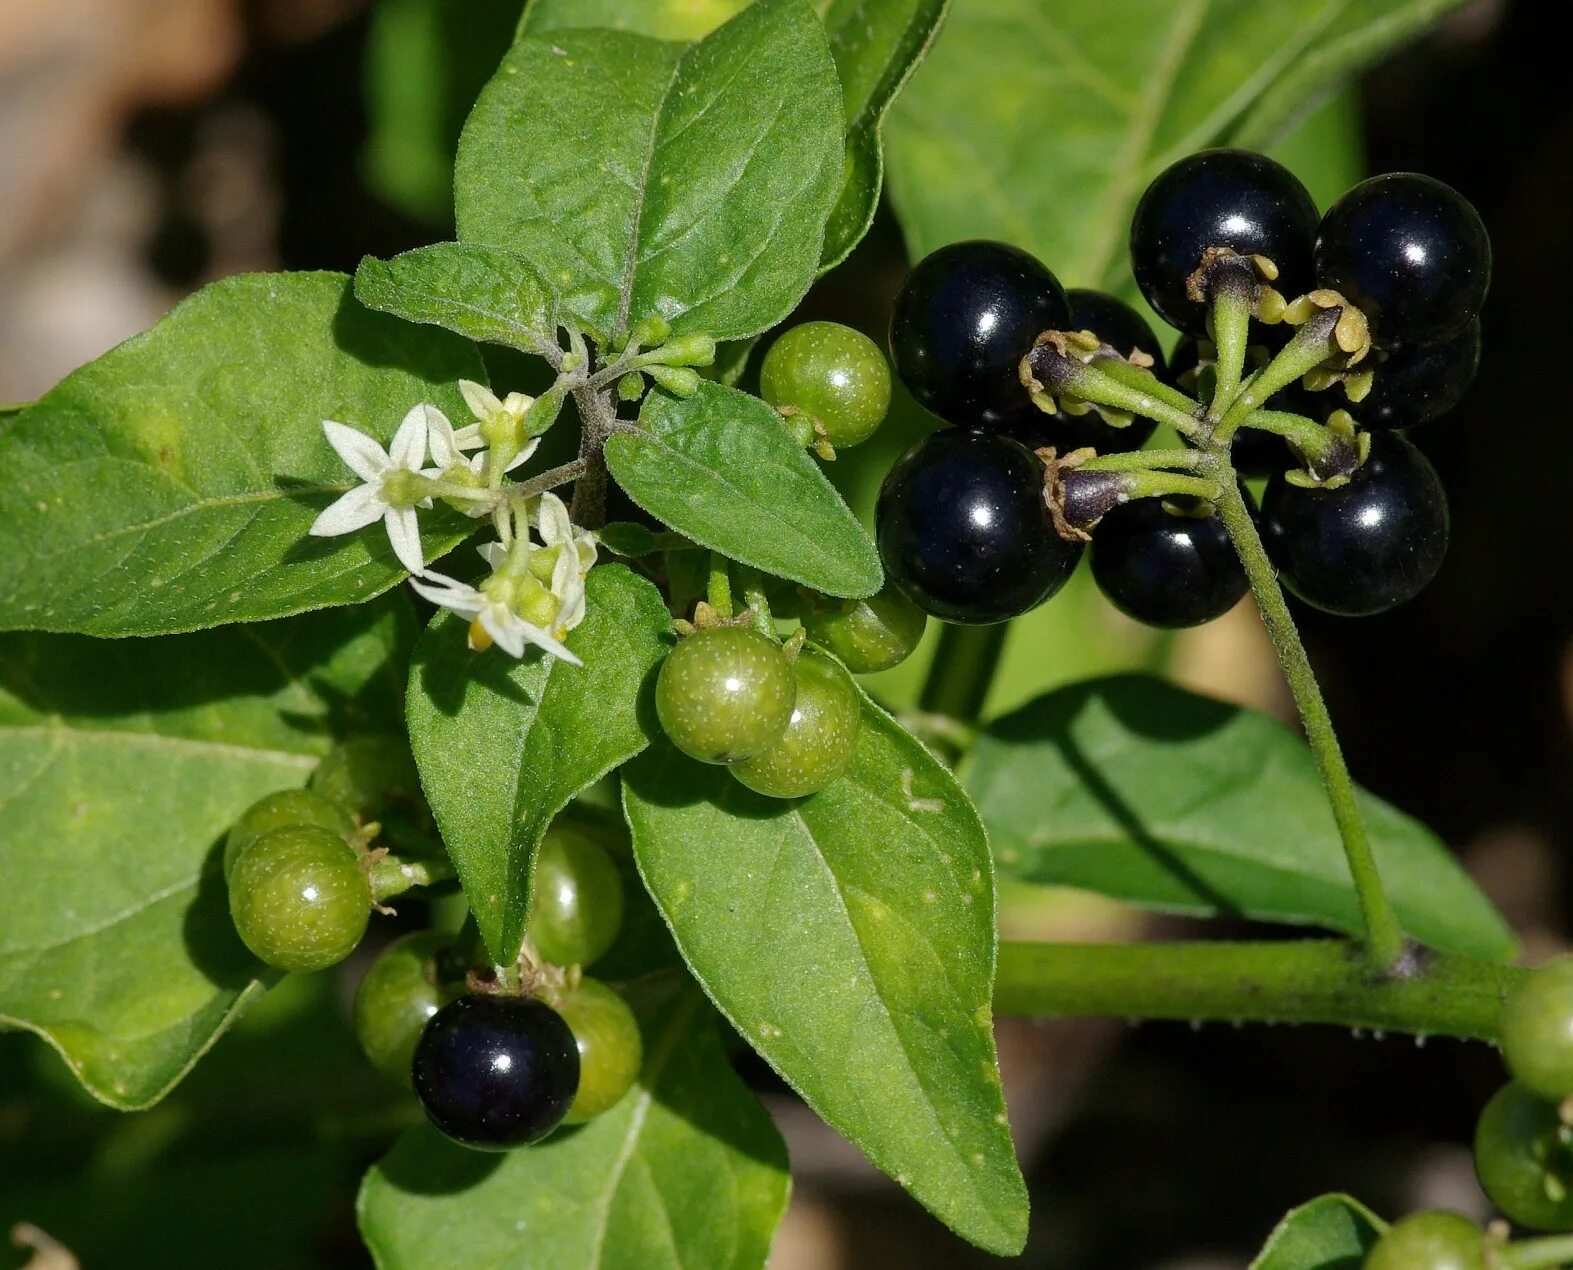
x=1372, y=308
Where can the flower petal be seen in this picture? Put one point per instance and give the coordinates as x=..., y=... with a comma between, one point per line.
x=404, y=532
x=409, y=442
x=360, y=453
x=504, y=628
x=449, y=593
x=358, y=508
x=468, y=438
x=551, y=520
x=541, y=639
x=481, y=400
x=524, y=454
x=494, y=553
x=445, y=452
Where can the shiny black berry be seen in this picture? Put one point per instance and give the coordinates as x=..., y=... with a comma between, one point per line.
x=1122, y=329
x=1416, y=385
x=496, y=1071
x=964, y=531
x=964, y=320
x=1219, y=198
x=1166, y=562
x=1411, y=252
x=1368, y=545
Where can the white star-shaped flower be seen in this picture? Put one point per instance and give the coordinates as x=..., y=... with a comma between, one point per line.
x=507, y=629
x=383, y=472
x=576, y=555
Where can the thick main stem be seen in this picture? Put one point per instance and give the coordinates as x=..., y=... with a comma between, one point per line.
x=1301, y=981
x=1383, y=938
x=962, y=670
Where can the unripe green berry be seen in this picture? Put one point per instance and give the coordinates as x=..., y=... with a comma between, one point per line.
x=610, y=1049
x=725, y=694
x=1524, y=1159
x=870, y=634
x=280, y=810
x=398, y=994
x=819, y=741
x=299, y=898
x=367, y=774
x=576, y=898
x=1537, y=1030
x=836, y=374
x=1430, y=1241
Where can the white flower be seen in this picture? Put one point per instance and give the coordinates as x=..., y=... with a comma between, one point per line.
x=576, y=555
x=485, y=406
x=384, y=472
x=507, y=629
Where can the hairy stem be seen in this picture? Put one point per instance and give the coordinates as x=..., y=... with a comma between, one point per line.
x=1229, y=305
x=597, y=422
x=718, y=590
x=1145, y=460
x=1536, y=1254
x=1384, y=941
x=1303, y=981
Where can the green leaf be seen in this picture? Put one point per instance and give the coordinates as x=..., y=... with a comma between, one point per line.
x=850, y=938
x=720, y=467
x=644, y=178
x=502, y=745
x=169, y=485
x=483, y=293
x=1137, y=789
x=122, y=764
x=1041, y=121
x=877, y=45
x=686, y=1171
x=1330, y=1232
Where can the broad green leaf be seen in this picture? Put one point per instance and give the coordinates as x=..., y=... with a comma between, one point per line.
x=169, y=485
x=1143, y=791
x=644, y=178
x=877, y=45
x=850, y=938
x=1041, y=121
x=1330, y=1232
x=486, y=295
x=686, y=1171
x=122, y=764
x=502, y=745
x=720, y=467
x=425, y=62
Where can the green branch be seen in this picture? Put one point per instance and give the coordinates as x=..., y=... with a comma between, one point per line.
x=1307, y=981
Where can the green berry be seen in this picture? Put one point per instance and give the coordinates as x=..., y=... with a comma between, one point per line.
x=868, y=635
x=1430, y=1241
x=300, y=898
x=829, y=371
x=368, y=774
x=725, y=694
x=820, y=740
x=610, y=1049
x=1537, y=1030
x=576, y=900
x=279, y=810
x=1524, y=1158
x=398, y=994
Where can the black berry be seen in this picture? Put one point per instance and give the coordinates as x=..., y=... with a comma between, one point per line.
x=1166, y=562
x=1125, y=331
x=495, y=1071
x=964, y=320
x=1219, y=198
x=964, y=531
x=1411, y=252
x=1417, y=385
x=1368, y=545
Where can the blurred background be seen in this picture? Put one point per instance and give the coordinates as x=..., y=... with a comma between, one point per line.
x=150, y=146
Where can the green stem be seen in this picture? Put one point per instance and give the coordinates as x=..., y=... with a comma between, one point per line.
x=393, y=875
x=962, y=670
x=1144, y=460
x=1384, y=941
x=1536, y=1254
x=752, y=584
x=1145, y=381
x=718, y=590
x=1312, y=345
x=1307, y=435
x=1146, y=484
x=1304, y=981
x=1229, y=302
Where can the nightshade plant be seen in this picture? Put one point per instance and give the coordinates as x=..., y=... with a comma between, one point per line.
x=636, y=747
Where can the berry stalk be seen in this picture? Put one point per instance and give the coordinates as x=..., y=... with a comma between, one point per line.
x=962, y=671
x=1383, y=940
x=1303, y=981
x=1535, y=1254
